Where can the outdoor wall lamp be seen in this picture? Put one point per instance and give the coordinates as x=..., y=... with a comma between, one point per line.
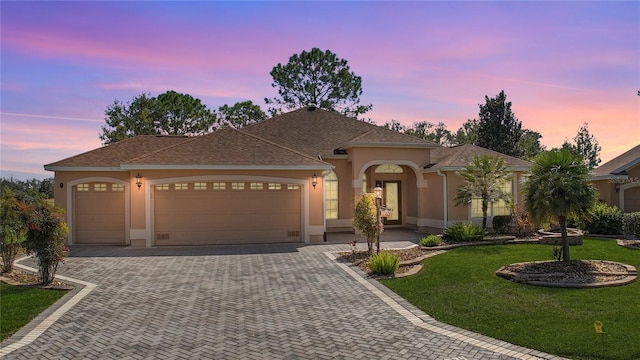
x=377, y=194
x=314, y=180
x=617, y=187
x=139, y=181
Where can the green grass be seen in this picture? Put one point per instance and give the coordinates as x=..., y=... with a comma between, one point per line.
x=20, y=304
x=460, y=288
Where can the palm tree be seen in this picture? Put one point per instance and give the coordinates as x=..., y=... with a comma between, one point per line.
x=559, y=187
x=484, y=178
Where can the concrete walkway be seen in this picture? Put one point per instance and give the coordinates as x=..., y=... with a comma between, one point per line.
x=241, y=302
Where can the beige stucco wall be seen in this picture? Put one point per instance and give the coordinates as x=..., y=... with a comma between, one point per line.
x=138, y=214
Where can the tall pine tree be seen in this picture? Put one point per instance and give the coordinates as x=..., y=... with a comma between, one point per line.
x=499, y=129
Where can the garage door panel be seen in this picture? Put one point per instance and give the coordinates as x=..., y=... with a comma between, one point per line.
x=99, y=217
x=199, y=217
x=632, y=200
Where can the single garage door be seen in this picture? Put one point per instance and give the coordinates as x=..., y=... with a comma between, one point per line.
x=99, y=213
x=632, y=200
x=203, y=213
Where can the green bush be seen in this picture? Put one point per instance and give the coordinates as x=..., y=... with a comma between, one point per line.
x=464, y=232
x=384, y=263
x=430, y=241
x=631, y=224
x=604, y=220
x=501, y=224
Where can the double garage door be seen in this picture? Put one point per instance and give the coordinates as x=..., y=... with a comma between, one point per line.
x=200, y=213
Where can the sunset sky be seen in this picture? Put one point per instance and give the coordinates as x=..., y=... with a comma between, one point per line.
x=561, y=64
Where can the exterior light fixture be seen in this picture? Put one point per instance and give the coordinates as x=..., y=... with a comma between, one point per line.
x=377, y=194
x=314, y=180
x=139, y=181
x=617, y=187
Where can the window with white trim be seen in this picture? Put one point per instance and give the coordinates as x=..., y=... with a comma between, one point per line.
x=330, y=185
x=389, y=169
x=497, y=208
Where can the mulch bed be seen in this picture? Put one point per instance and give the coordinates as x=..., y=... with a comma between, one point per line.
x=20, y=277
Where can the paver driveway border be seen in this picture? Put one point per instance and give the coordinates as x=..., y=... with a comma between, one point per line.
x=44, y=320
x=424, y=321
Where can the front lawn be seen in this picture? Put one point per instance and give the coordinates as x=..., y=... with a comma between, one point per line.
x=460, y=288
x=20, y=304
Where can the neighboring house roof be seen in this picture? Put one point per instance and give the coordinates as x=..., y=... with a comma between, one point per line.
x=321, y=132
x=457, y=157
x=112, y=155
x=618, y=166
x=227, y=148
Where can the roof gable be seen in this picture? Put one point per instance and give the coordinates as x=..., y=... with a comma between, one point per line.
x=620, y=164
x=457, y=157
x=320, y=132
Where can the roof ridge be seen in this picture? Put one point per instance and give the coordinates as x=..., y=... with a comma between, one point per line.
x=280, y=146
x=189, y=138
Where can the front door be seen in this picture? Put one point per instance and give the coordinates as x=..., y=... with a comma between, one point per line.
x=392, y=198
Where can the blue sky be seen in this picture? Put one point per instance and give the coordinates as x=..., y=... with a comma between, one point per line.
x=560, y=63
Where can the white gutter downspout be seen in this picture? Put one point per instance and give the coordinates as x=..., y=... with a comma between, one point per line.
x=444, y=195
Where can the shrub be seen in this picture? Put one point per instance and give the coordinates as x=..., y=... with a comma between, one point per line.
x=556, y=253
x=604, y=219
x=631, y=224
x=384, y=263
x=524, y=227
x=501, y=223
x=464, y=232
x=13, y=231
x=430, y=241
x=365, y=219
x=45, y=238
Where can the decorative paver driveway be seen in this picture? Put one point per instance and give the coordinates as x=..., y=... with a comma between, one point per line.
x=243, y=302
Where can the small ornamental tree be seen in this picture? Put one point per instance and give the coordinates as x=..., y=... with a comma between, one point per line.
x=46, y=232
x=484, y=179
x=13, y=230
x=559, y=188
x=365, y=219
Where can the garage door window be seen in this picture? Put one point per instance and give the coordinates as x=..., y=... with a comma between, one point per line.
x=256, y=186
x=99, y=187
x=293, y=187
x=219, y=186
x=117, y=187
x=200, y=186
x=162, y=187
x=182, y=186
x=237, y=186
x=82, y=187
x=275, y=186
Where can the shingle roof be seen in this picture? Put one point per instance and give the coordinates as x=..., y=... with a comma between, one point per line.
x=223, y=149
x=111, y=156
x=452, y=158
x=320, y=132
x=619, y=164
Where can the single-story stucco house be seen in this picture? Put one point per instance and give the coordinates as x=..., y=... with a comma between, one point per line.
x=292, y=178
x=618, y=181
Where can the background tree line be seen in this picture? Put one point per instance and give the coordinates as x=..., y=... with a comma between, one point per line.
x=321, y=78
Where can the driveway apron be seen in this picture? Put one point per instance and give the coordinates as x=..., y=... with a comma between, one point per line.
x=238, y=302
